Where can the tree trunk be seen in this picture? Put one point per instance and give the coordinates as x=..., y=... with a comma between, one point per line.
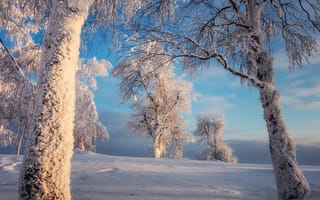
x=291, y=183
x=45, y=173
x=157, y=152
x=20, y=138
x=178, y=150
x=159, y=146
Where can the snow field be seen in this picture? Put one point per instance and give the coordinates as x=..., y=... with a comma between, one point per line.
x=102, y=177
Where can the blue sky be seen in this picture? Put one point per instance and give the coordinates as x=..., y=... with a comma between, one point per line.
x=222, y=93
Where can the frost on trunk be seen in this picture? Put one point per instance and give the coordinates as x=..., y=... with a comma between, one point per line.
x=45, y=173
x=291, y=182
x=159, y=146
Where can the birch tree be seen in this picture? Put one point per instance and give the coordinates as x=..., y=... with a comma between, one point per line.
x=46, y=166
x=16, y=96
x=18, y=93
x=210, y=130
x=159, y=99
x=237, y=35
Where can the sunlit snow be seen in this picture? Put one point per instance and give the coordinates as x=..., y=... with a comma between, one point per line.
x=100, y=177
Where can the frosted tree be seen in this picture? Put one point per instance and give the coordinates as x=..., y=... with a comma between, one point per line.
x=18, y=93
x=16, y=96
x=45, y=172
x=210, y=130
x=7, y=137
x=46, y=166
x=87, y=127
x=159, y=99
x=238, y=35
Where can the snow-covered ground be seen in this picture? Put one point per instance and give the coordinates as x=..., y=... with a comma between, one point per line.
x=103, y=177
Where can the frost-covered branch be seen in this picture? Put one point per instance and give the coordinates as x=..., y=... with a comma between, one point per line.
x=14, y=60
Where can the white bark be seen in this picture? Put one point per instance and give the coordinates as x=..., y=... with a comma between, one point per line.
x=46, y=167
x=159, y=146
x=290, y=180
x=157, y=152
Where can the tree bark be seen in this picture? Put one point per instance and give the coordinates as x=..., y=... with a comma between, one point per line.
x=291, y=182
x=45, y=173
x=159, y=146
x=20, y=138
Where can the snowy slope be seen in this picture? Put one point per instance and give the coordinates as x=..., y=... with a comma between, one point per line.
x=97, y=176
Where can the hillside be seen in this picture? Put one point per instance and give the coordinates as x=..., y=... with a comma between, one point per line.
x=97, y=177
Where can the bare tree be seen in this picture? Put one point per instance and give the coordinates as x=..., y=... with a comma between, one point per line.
x=209, y=130
x=159, y=98
x=238, y=35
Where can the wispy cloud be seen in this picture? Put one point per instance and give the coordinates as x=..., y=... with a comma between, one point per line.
x=305, y=92
x=212, y=104
x=298, y=103
x=302, y=97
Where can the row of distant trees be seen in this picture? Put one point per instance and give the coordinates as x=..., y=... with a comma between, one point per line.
x=236, y=35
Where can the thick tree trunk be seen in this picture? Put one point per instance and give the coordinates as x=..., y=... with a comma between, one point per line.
x=45, y=173
x=291, y=183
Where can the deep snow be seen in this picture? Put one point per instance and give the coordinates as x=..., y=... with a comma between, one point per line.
x=96, y=176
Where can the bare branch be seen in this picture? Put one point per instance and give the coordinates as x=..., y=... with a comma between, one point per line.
x=309, y=17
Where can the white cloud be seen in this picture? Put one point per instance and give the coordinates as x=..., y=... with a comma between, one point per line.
x=302, y=98
x=289, y=100
x=305, y=92
x=212, y=104
x=299, y=104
